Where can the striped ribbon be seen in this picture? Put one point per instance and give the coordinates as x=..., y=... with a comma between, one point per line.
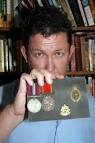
x=39, y=90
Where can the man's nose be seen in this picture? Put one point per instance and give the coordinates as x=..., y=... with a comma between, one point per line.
x=50, y=65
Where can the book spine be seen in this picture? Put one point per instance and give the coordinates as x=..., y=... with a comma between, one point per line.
x=56, y=3
x=92, y=7
x=76, y=12
x=9, y=16
x=88, y=12
x=69, y=12
x=78, y=53
x=73, y=57
x=4, y=13
x=82, y=42
x=6, y=55
x=90, y=56
x=10, y=55
x=1, y=56
x=93, y=53
x=93, y=87
x=82, y=12
x=85, y=53
x=1, y=13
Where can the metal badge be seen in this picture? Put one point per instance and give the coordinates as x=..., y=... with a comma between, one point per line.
x=34, y=105
x=75, y=94
x=48, y=103
x=65, y=110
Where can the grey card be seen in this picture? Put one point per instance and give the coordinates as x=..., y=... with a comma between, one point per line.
x=67, y=101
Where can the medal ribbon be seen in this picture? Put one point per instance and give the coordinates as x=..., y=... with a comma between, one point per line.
x=39, y=90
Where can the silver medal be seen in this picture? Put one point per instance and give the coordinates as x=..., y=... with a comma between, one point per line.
x=34, y=105
x=48, y=103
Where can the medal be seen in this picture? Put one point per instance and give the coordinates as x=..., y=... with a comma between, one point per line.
x=48, y=103
x=75, y=94
x=34, y=105
x=65, y=110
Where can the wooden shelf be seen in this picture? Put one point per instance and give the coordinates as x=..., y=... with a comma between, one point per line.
x=4, y=29
x=81, y=73
x=14, y=33
x=85, y=29
x=7, y=29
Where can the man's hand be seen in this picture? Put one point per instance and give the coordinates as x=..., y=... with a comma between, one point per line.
x=40, y=75
x=13, y=114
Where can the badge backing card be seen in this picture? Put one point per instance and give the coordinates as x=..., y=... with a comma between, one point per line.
x=63, y=104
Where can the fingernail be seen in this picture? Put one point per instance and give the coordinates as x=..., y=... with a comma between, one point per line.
x=50, y=81
x=41, y=83
x=31, y=82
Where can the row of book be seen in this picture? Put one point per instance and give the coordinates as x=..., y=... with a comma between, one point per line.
x=10, y=56
x=8, y=12
x=80, y=12
x=83, y=59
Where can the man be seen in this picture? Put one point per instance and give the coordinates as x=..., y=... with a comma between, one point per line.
x=47, y=50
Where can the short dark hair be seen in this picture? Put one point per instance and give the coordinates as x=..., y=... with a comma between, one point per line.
x=46, y=21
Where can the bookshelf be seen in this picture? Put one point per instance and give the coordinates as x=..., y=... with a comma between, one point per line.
x=84, y=29
x=15, y=34
x=82, y=73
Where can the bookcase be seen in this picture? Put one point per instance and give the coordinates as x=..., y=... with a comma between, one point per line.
x=83, y=37
x=11, y=59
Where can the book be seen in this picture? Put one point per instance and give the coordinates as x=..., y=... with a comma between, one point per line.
x=76, y=12
x=10, y=12
x=88, y=12
x=66, y=8
x=93, y=87
x=85, y=53
x=1, y=56
x=51, y=3
x=82, y=12
x=78, y=53
x=92, y=54
x=1, y=13
x=4, y=13
x=10, y=56
x=73, y=57
x=6, y=54
x=40, y=3
x=92, y=7
x=56, y=3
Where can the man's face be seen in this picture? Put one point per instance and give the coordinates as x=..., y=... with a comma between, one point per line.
x=51, y=53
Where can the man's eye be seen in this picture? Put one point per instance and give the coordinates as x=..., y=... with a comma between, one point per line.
x=59, y=54
x=38, y=54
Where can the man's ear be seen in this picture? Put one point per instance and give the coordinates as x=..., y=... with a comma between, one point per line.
x=24, y=53
x=72, y=50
